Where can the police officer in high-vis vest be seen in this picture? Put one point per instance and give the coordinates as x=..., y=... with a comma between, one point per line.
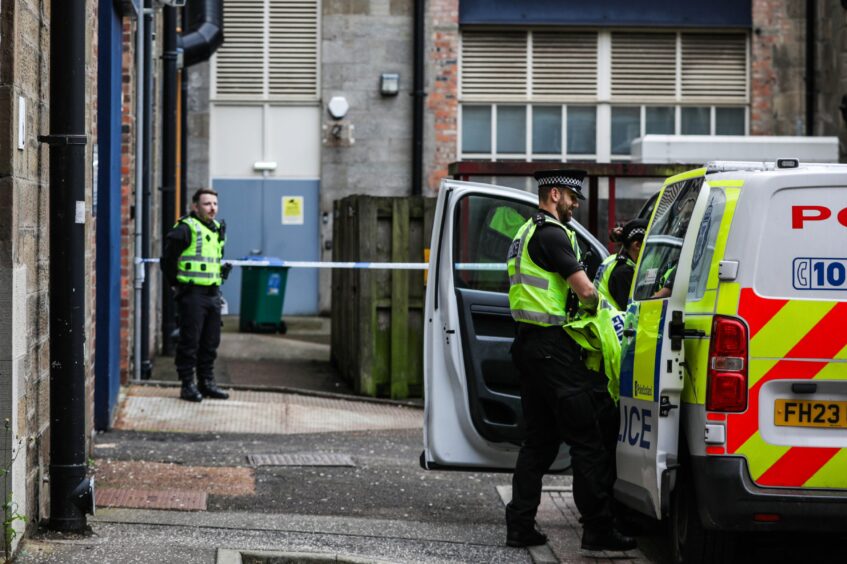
x=562, y=400
x=614, y=277
x=192, y=267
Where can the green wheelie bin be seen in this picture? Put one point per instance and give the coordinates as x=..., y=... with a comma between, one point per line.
x=262, y=296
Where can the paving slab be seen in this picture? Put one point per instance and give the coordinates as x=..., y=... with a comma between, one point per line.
x=151, y=408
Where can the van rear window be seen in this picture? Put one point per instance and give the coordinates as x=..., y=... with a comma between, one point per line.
x=803, y=249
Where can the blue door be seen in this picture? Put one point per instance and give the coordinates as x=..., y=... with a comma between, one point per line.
x=278, y=218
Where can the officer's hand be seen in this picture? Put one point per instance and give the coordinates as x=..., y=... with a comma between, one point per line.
x=225, y=269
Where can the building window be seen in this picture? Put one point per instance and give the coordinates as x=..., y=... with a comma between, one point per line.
x=550, y=84
x=511, y=131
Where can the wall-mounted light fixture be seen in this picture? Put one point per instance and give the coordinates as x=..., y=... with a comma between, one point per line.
x=389, y=83
x=338, y=107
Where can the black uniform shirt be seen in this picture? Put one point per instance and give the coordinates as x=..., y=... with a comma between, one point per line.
x=177, y=241
x=550, y=248
x=620, y=281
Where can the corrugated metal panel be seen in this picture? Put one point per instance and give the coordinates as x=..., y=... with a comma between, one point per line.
x=494, y=65
x=714, y=67
x=239, y=63
x=293, y=48
x=564, y=65
x=644, y=66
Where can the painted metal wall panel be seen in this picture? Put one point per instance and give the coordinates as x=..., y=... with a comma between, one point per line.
x=108, y=263
x=253, y=210
x=657, y=13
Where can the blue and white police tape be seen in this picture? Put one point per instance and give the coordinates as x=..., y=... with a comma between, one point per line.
x=362, y=265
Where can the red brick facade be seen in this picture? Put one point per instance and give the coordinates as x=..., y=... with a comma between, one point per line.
x=777, y=68
x=127, y=202
x=442, y=92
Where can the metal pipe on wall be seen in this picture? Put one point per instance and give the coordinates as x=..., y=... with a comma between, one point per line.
x=71, y=493
x=419, y=94
x=169, y=94
x=139, y=189
x=811, y=17
x=147, y=125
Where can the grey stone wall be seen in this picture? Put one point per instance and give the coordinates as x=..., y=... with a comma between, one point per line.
x=24, y=249
x=198, y=126
x=360, y=40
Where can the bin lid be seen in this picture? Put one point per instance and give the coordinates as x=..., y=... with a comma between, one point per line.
x=272, y=261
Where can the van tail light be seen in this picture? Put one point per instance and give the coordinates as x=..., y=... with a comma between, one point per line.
x=727, y=386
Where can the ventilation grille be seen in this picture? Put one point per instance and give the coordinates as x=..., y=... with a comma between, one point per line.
x=293, y=48
x=714, y=67
x=644, y=65
x=239, y=63
x=494, y=65
x=564, y=65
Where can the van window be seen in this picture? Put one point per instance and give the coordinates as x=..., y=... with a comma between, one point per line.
x=659, y=257
x=704, y=248
x=485, y=227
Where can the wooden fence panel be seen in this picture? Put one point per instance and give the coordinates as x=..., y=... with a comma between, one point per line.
x=377, y=315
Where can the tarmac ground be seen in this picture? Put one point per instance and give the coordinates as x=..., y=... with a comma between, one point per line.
x=294, y=468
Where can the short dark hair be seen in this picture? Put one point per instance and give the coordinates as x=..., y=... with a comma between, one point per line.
x=200, y=191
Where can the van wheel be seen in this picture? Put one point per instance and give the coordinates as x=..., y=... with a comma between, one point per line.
x=690, y=541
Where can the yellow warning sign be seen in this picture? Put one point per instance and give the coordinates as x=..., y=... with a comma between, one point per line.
x=292, y=210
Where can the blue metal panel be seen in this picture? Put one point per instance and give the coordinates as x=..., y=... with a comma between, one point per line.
x=108, y=235
x=252, y=209
x=622, y=13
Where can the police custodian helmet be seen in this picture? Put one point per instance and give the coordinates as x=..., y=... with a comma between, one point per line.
x=562, y=178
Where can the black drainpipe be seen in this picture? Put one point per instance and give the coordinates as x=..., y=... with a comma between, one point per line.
x=811, y=16
x=203, y=33
x=146, y=364
x=169, y=65
x=419, y=94
x=71, y=493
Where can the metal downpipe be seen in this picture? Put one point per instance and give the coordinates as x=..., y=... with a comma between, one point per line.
x=140, y=270
x=169, y=117
x=419, y=95
x=71, y=493
x=147, y=125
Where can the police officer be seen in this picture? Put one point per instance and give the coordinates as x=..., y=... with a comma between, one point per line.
x=614, y=277
x=562, y=400
x=192, y=267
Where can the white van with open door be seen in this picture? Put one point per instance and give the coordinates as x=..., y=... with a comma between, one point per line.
x=472, y=392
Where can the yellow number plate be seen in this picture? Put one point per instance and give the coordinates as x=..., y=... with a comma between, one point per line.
x=810, y=413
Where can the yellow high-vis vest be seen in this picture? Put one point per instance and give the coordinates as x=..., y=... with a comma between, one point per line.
x=536, y=296
x=200, y=262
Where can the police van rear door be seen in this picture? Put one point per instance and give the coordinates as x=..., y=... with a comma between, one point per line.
x=472, y=392
x=652, y=355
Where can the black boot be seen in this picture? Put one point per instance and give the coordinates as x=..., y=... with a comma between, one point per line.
x=209, y=389
x=610, y=539
x=520, y=537
x=189, y=392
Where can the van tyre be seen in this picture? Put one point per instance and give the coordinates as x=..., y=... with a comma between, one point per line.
x=691, y=543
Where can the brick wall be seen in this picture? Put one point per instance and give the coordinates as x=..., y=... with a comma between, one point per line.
x=442, y=105
x=778, y=68
x=831, y=76
x=128, y=136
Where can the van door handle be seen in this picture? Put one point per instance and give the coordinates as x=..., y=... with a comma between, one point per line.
x=693, y=334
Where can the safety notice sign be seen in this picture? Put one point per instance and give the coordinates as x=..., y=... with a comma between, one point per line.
x=292, y=210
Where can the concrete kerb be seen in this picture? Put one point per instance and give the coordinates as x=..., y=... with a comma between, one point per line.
x=417, y=404
x=228, y=556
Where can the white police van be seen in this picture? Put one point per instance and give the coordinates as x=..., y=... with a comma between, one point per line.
x=734, y=365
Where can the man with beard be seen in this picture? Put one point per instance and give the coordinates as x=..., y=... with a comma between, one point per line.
x=562, y=400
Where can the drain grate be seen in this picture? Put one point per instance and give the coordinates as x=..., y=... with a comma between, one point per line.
x=300, y=460
x=151, y=499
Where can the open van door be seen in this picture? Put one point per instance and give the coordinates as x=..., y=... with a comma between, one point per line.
x=652, y=362
x=472, y=416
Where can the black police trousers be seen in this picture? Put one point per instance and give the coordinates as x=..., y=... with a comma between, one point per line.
x=563, y=401
x=199, y=309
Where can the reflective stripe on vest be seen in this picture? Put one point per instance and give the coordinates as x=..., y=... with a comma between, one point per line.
x=200, y=262
x=536, y=296
x=604, y=274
